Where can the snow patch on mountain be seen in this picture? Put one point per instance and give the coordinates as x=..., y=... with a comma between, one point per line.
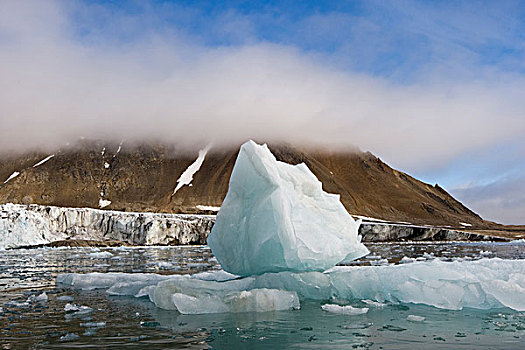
x=187, y=176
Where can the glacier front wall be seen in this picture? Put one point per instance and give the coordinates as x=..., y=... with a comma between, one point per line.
x=32, y=225
x=22, y=225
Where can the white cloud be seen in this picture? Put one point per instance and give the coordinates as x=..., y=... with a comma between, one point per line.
x=161, y=85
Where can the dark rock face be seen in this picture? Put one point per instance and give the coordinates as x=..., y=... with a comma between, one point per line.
x=141, y=178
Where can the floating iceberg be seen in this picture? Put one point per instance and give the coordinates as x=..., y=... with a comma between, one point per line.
x=276, y=217
x=481, y=284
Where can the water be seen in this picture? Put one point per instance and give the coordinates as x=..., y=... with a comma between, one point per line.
x=118, y=322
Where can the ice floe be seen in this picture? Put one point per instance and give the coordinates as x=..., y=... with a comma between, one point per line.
x=481, y=284
x=276, y=217
x=344, y=310
x=415, y=318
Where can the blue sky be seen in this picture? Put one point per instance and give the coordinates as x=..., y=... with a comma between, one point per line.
x=432, y=87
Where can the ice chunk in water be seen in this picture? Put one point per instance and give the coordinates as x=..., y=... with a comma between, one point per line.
x=255, y=300
x=41, y=298
x=276, y=217
x=415, y=318
x=481, y=284
x=69, y=337
x=344, y=310
x=73, y=308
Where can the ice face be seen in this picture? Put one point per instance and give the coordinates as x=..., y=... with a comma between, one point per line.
x=255, y=300
x=276, y=217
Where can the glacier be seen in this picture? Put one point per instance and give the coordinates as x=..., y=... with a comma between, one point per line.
x=480, y=284
x=276, y=217
x=31, y=225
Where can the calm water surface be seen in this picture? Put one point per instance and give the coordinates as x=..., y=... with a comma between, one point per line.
x=121, y=322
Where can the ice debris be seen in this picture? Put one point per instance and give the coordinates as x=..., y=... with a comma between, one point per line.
x=100, y=255
x=276, y=217
x=69, y=337
x=373, y=303
x=415, y=318
x=480, y=284
x=73, y=308
x=41, y=298
x=344, y=310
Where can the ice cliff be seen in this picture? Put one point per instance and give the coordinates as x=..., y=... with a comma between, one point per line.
x=276, y=217
x=22, y=225
x=32, y=225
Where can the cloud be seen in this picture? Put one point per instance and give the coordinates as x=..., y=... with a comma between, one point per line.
x=411, y=87
x=160, y=85
x=499, y=200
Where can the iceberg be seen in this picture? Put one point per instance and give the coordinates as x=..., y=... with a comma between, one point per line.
x=480, y=284
x=276, y=217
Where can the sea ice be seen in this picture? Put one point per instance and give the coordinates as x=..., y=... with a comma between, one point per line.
x=344, y=310
x=480, y=284
x=41, y=298
x=276, y=217
x=69, y=337
x=73, y=308
x=415, y=318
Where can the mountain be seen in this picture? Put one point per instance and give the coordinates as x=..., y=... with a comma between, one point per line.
x=143, y=178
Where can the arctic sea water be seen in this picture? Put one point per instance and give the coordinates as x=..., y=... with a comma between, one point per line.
x=73, y=317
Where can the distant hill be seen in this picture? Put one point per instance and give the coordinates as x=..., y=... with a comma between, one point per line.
x=143, y=178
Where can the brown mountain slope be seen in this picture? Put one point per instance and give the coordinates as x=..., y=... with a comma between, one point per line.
x=142, y=178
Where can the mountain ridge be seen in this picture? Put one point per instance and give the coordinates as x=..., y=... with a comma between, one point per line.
x=143, y=177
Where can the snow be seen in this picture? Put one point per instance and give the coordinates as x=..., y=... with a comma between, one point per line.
x=366, y=218
x=102, y=203
x=465, y=224
x=12, y=176
x=106, y=165
x=187, y=176
x=208, y=207
x=344, y=310
x=43, y=161
x=276, y=217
